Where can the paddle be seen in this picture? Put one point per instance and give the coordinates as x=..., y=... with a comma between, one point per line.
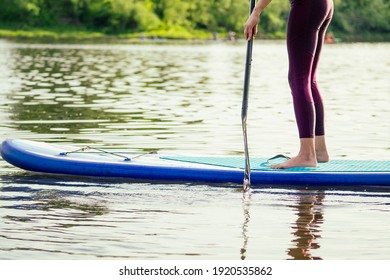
x=244, y=110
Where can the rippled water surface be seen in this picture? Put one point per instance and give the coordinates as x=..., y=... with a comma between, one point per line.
x=187, y=99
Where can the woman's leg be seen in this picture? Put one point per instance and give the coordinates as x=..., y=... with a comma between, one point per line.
x=303, y=36
x=320, y=143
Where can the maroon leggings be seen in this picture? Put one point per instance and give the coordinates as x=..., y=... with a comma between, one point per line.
x=306, y=29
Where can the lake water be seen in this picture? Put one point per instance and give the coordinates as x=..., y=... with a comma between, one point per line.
x=186, y=98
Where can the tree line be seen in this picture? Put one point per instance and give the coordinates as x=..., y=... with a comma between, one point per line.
x=351, y=17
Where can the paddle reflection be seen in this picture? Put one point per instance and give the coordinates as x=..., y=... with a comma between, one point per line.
x=307, y=226
x=245, y=206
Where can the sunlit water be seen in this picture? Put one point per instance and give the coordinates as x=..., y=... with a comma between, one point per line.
x=187, y=99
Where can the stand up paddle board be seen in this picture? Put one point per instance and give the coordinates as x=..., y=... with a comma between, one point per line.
x=87, y=161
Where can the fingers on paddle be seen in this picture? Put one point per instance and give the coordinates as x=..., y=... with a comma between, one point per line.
x=250, y=32
x=254, y=32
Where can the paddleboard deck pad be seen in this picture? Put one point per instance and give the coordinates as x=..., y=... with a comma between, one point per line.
x=88, y=161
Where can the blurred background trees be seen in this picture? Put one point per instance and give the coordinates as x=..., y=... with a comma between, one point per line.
x=352, y=17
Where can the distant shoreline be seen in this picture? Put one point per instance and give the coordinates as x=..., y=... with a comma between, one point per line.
x=53, y=35
x=60, y=34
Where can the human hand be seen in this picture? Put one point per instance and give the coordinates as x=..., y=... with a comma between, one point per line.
x=250, y=29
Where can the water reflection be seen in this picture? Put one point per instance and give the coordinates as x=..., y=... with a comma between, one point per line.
x=245, y=205
x=33, y=198
x=40, y=214
x=306, y=230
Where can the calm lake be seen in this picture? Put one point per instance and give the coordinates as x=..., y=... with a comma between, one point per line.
x=186, y=98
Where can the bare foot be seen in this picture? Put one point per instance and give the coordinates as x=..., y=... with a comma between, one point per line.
x=322, y=156
x=297, y=161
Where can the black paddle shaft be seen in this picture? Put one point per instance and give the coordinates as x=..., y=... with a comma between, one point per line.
x=244, y=110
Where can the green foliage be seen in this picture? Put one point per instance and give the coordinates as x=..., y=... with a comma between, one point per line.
x=357, y=16
x=274, y=18
x=185, y=17
x=18, y=11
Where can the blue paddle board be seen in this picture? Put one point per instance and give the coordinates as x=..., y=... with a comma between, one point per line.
x=89, y=161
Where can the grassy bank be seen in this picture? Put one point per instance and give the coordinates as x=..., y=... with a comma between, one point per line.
x=66, y=34
x=62, y=34
x=43, y=34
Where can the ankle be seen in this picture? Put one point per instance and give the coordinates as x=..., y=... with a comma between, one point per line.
x=307, y=150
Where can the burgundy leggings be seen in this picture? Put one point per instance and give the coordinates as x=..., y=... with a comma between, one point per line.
x=306, y=29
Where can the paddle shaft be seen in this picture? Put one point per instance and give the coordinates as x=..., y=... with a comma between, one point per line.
x=244, y=110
